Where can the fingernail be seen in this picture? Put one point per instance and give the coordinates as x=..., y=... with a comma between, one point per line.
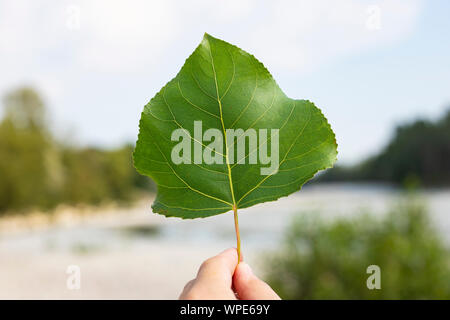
x=245, y=268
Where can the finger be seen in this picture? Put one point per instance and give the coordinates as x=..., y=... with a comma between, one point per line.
x=250, y=287
x=186, y=289
x=219, y=269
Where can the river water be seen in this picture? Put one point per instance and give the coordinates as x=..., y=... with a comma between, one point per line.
x=132, y=253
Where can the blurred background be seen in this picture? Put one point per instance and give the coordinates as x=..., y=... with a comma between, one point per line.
x=75, y=75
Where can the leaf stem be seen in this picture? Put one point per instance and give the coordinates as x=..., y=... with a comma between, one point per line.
x=238, y=236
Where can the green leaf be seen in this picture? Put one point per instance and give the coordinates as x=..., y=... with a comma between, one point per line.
x=227, y=88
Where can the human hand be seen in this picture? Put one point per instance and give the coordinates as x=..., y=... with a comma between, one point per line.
x=222, y=278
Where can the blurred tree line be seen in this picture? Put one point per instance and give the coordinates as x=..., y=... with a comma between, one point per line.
x=37, y=171
x=418, y=154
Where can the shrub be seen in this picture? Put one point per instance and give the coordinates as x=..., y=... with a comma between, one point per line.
x=321, y=260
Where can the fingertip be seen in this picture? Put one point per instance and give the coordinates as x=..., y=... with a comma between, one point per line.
x=244, y=271
x=221, y=265
x=231, y=252
x=248, y=286
x=230, y=255
x=242, y=257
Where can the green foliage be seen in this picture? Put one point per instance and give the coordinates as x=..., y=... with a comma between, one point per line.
x=22, y=166
x=420, y=149
x=227, y=88
x=38, y=172
x=25, y=109
x=92, y=175
x=322, y=260
x=23, y=144
x=418, y=153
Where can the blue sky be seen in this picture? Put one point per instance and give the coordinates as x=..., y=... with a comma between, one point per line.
x=368, y=65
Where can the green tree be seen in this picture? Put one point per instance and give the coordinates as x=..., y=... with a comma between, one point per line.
x=418, y=153
x=36, y=171
x=23, y=144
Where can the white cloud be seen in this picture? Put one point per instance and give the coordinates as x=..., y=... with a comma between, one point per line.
x=124, y=35
x=137, y=40
x=132, y=35
x=300, y=35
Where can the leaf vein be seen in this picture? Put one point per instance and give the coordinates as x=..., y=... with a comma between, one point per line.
x=193, y=104
x=187, y=185
x=282, y=161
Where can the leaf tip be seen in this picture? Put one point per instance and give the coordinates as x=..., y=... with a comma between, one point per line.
x=206, y=36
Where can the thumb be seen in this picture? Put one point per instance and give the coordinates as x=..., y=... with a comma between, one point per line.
x=250, y=287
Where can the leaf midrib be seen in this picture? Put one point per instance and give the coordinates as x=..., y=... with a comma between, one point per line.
x=184, y=182
x=230, y=179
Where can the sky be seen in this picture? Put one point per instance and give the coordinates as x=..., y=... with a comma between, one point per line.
x=369, y=65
